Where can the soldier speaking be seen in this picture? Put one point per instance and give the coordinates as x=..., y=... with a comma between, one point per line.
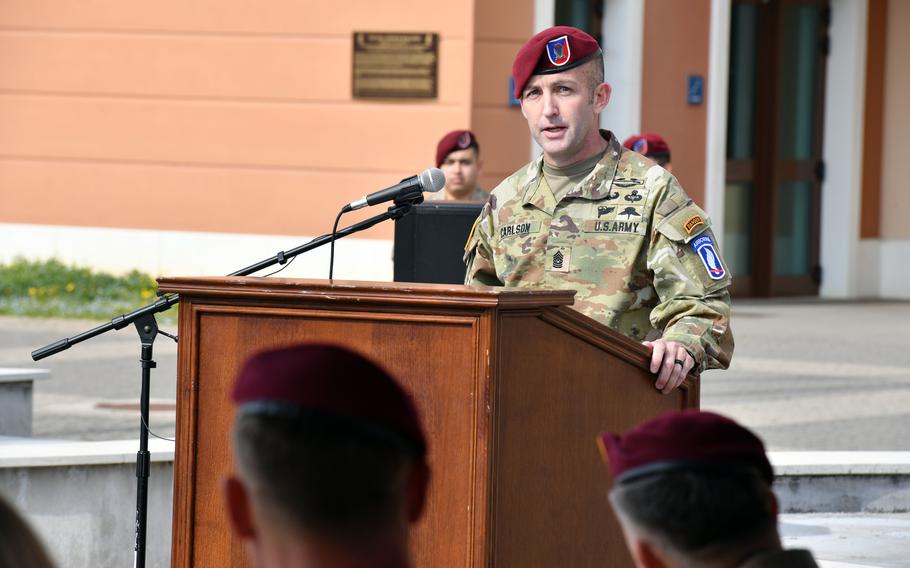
x=594, y=217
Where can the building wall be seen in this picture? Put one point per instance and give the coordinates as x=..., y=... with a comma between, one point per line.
x=871, y=203
x=500, y=29
x=895, y=198
x=218, y=116
x=676, y=44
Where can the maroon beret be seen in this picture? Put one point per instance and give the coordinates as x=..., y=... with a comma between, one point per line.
x=455, y=140
x=553, y=50
x=329, y=379
x=687, y=440
x=647, y=144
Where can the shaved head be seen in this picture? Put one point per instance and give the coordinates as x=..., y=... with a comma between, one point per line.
x=594, y=72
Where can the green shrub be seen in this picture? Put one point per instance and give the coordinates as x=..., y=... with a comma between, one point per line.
x=53, y=289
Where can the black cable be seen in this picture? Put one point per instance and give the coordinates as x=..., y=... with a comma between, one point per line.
x=286, y=264
x=141, y=417
x=332, y=245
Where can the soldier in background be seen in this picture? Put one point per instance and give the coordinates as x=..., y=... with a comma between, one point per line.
x=593, y=217
x=458, y=156
x=652, y=146
x=693, y=490
x=330, y=458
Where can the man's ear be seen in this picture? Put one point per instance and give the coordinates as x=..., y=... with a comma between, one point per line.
x=239, y=508
x=644, y=555
x=602, y=97
x=775, y=506
x=416, y=490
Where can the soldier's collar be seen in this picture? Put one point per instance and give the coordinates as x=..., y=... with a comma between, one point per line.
x=593, y=187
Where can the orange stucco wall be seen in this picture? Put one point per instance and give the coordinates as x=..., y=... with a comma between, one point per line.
x=501, y=28
x=227, y=115
x=676, y=41
x=896, y=125
x=871, y=202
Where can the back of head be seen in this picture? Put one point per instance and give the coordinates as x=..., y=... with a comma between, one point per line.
x=693, y=484
x=18, y=544
x=698, y=516
x=324, y=475
x=326, y=442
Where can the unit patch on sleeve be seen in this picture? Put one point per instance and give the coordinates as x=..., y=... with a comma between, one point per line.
x=704, y=246
x=693, y=222
x=519, y=229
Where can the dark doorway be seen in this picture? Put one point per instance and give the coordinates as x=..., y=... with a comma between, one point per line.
x=774, y=169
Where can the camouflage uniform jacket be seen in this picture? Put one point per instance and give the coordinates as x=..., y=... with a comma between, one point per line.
x=638, y=252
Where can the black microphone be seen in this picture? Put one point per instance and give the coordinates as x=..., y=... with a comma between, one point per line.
x=431, y=179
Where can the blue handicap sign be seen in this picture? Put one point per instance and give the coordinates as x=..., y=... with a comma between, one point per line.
x=695, y=89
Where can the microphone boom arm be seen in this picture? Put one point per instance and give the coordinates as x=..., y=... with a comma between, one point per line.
x=401, y=208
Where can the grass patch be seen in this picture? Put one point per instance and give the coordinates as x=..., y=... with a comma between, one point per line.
x=52, y=289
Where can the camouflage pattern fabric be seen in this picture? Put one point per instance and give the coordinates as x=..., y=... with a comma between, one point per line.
x=638, y=252
x=476, y=195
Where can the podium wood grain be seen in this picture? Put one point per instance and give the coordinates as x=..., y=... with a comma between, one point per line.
x=512, y=385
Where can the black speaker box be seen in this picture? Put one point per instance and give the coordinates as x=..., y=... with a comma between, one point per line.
x=430, y=240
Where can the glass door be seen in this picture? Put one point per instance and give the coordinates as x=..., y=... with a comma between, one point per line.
x=774, y=134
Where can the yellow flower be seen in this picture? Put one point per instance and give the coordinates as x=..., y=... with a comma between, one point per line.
x=32, y=291
x=70, y=286
x=146, y=293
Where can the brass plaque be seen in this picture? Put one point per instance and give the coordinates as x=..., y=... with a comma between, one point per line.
x=395, y=65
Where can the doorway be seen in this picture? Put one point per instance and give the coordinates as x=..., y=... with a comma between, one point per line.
x=774, y=170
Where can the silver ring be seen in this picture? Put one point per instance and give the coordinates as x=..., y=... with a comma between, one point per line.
x=678, y=362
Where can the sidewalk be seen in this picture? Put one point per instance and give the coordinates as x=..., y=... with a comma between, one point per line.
x=807, y=375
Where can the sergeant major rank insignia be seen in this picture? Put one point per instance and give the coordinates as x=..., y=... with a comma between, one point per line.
x=704, y=246
x=560, y=260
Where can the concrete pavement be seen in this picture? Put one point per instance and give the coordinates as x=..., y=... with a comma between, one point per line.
x=816, y=375
x=806, y=374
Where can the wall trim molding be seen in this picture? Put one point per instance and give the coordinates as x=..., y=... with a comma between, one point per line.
x=883, y=269
x=184, y=253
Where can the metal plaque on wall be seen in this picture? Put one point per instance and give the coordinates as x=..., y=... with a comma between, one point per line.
x=395, y=65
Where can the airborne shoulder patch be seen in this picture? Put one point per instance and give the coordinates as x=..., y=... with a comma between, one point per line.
x=704, y=246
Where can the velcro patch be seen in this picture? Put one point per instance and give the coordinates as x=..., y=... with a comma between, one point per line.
x=704, y=246
x=693, y=222
x=559, y=259
x=519, y=229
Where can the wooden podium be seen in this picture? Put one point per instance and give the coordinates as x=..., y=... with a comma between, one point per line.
x=513, y=387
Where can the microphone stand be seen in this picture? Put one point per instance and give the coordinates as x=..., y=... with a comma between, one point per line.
x=147, y=327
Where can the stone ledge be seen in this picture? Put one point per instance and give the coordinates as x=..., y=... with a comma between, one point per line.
x=26, y=452
x=18, y=375
x=840, y=463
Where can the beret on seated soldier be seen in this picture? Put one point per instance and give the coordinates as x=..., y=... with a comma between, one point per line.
x=693, y=488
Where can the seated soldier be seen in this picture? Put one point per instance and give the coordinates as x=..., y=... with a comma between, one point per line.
x=19, y=546
x=458, y=156
x=652, y=146
x=693, y=490
x=330, y=461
